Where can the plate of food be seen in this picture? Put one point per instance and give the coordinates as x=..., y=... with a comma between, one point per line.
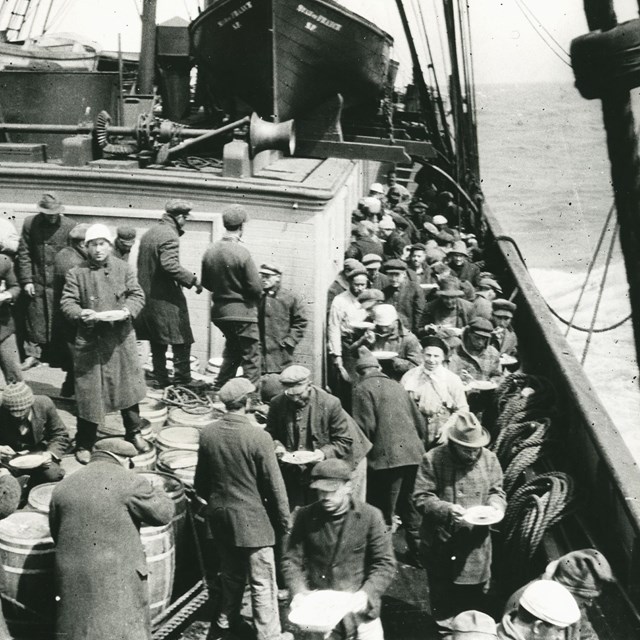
x=114, y=315
x=299, y=457
x=384, y=355
x=482, y=385
x=482, y=515
x=428, y=285
x=363, y=325
x=506, y=360
x=28, y=461
x=321, y=611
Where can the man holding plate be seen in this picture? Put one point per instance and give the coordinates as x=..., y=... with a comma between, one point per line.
x=453, y=479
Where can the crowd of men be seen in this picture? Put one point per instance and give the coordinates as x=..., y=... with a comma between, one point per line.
x=418, y=336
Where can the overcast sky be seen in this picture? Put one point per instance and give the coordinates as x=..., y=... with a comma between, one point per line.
x=506, y=47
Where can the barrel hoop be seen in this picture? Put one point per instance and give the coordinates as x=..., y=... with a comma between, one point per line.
x=27, y=551
x=29, y=572
x=161, y=556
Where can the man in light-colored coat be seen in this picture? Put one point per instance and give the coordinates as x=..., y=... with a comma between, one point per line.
x=101, y=570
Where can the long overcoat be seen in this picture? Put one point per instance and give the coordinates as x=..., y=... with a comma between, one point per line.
x=10, y=285
x=40, y=241
x=101, y=570
x=105, y=356
x=165, y=318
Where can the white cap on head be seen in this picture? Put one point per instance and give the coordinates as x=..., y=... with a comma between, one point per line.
x=551, y=602
x=97, y=231
x=384, y=315
x=386, y=223
x=439, y=219
x=376, y=187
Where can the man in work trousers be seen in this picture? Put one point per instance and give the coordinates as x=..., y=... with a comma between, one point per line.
x=229, y=272
x=343, y=544
x=165, y=318
x=105, y=355
x=42, y=236
x=237, y=476
x=101, y=570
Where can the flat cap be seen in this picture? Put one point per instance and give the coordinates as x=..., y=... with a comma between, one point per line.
x=127, y=233
x=366, y=359
x=270, y=387
x=294, y=375
x=418, y=204
x=371, y=258
x=116, y=445
x=473, y=625
x=449, y=288
x=500, y=306
x=79, y=231
x=435, y=341
x=373, y=205
x=394, y=265
x=481, y=326
x=176, y=207
x=234, y=216
x=459, y=247
x=356, y=271
x=386, y=223
x=445, y=238
x=551, y=602
x=270, y=269
x=98, y=232
x=371, y=295
x=582, y=572
x=439, y=220
x=376, y=187
x=235, y=389
x=330, y=474
x=489, y=283
x=384, y=315
x=418, y=246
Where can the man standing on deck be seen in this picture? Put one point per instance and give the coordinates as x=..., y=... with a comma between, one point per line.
x=229, y=272
x=101, y=570
x=237, y=476
x=43, y=235
x=164, y=320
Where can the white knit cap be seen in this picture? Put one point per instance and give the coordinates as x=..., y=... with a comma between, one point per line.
x=96, y=231
x=549, y=601
x=376, y=187
x=384, y=315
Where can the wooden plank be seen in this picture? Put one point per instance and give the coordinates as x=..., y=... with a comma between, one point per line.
x=353, y=150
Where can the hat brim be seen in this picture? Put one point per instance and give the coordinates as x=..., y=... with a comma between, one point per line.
x=268, y=272
x=503, y=314
x=327, y=484
x=481, y=332
x=298, y=387
x=57, y=209
x=484, y=440
x=450, y=294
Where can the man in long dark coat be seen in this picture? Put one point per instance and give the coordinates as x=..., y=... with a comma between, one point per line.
x=165, y=318
x=105, y=355
x=9, y=358
x=42, y=236
x=237, y=475
x=101, y=570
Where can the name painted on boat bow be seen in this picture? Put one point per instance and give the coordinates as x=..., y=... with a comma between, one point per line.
x=336, y=26
x=235, y=13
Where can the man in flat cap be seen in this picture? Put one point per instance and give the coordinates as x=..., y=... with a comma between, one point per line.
x=504, y=338
x=237, y=475
x=365, y=242
x=64, y=333
x=164, y=319
x=473, y=625
x=372, y=262
x=101, y=569
x=343, y=544
x=282, y=320
x=394, y=241
x=229, y=272
x=108, y=375
x=487, y=290
x=406, y=296
x=546, y=610
x=306, y=418
x=125, y=239
x=42, y=236
x=418, y=270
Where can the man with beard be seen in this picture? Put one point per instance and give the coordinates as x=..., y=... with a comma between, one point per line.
x=452, y=478
x=448, y=309
x=42, y=236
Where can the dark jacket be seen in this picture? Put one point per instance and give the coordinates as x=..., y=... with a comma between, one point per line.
x=362, y=558
x=394, y=246
x=229, y=272
x=434, y=313
x=467, y=272
x=359, y=248
x=46, y=432
x=105, y=356
x=7, y=275
x=379, y=281
x=238, y=475
x=39, y=244
x=408, y=301
x=390, y=419
x=165, y=317
x=282, y=322
x=101, y=571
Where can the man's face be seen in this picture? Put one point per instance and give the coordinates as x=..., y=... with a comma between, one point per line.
x=385, y=233
x=51, y=218
x=466, y=455
x=299, y=394
x=99, y=249
x=392, y=178
x=181, y=220
x=21, y=413
x=269, y=280
x=333, y=501
x=385, y=330
x=373, y=269
x=358, y=284
x=432, y=357
x=397, y=278
x=393, y=197
x=417, y=258
x=477, y=342
x=457, y=259
x=543, y=631
x=501, y=321
x=449, y=302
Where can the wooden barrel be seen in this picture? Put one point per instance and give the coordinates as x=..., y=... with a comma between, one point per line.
x=181, y=418
x=178, y=438
x=40, y=496
x=180, y=463
x=159, y=549
x=27, y=556
x=156, y=413
x=145, y=461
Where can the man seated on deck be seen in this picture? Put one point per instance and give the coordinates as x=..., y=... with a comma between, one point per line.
x=545, y=610
x=342, y=544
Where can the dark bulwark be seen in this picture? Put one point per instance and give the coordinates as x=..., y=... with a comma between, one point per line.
x=286, y=57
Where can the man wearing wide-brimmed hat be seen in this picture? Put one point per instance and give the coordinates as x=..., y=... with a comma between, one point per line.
x=42, y=236
x=448, y=309
x=462, y=267
x=452, y=478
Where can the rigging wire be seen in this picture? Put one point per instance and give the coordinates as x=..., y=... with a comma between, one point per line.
x=543, y=27
x=542, y=37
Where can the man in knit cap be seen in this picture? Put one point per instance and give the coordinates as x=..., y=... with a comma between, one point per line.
x=42, y=236
x=229, y=272
x=31, y=424
x=545, y=610
x=125, y=239
x=164, y=319
x=584, y=574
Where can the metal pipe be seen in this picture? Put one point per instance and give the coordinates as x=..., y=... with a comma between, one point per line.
x=206, y=136
x=147, y=63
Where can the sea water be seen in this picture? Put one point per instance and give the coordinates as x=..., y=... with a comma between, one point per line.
x=546, y=177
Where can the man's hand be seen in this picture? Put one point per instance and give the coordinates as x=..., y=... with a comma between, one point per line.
x=6, y=450
x=198, y=286
x=88, y=317
x=457, y=511
x=280, y=450
x=369, y=336
x=344, y=374
x=5, y=296
x=360, y=602
x=466, y=377
x=29, y=289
